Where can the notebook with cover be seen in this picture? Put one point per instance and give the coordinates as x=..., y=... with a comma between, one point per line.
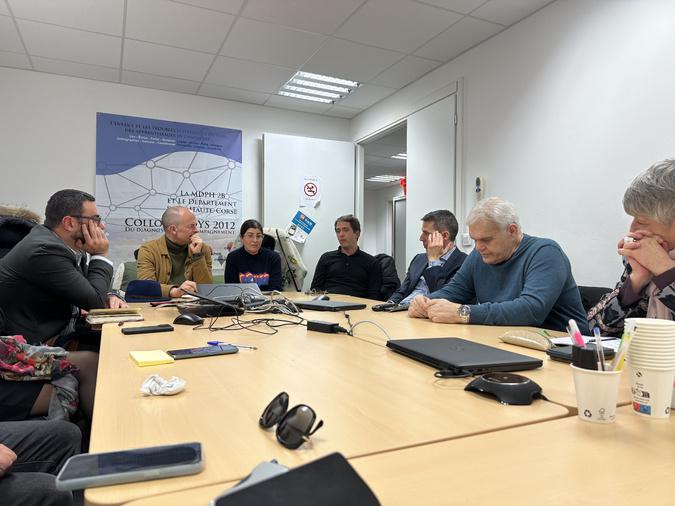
x=328, y=305
x=454, y=353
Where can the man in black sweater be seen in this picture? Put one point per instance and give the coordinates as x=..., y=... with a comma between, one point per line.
x=348, y=270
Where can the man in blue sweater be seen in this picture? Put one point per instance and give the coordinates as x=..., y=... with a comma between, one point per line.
x=516, y=279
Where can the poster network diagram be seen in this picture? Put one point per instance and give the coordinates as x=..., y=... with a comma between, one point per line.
x=145, y=165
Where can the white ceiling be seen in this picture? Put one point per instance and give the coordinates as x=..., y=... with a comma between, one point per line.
x=246, y=49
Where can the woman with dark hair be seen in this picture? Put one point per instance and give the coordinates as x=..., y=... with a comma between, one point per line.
x=647, y=286
x=252, y=263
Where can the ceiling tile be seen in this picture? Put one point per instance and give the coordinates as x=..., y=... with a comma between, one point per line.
x=297, y=105
x=463, y=6
x=323, y=16
x=9, y=37
x=4, y=11
x=460, y=37
x=405, y=72
x=231, y=6
x=400, y=25
x=267, y=43
x=366, y=95
x=213, y=90
x=178, y=25
x=342, y=112
x=103, y=16
x=18, y=60
x=248, y=75
x=159, y=82
x=508, y=12
x=69, y=44
x=348, y=60
x=67, y=68
x=165, y=61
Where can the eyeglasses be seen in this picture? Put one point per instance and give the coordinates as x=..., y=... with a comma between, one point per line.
x=293, y=427
x=95, y=218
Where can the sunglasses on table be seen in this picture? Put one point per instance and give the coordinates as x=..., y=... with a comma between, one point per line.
x=293, y=427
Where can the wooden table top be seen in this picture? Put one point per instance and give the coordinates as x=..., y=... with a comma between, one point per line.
x=371, y=399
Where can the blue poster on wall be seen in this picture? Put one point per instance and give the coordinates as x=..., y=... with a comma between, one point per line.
x=145, y=165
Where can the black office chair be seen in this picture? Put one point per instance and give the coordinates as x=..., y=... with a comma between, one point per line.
x=390, y=280
x=591, y=295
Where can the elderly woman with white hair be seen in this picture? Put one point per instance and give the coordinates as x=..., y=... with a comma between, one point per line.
x=647, y=286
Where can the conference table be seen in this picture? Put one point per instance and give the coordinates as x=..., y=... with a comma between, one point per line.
x=372, y=400
x=560, y=462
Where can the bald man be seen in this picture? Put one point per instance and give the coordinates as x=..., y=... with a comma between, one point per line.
x=179, y=259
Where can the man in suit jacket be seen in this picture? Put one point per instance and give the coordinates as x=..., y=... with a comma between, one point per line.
x=431, y=270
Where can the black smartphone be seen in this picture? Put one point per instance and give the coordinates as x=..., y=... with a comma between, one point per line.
x=206, y=351
x=164, y=327
x=564, y=353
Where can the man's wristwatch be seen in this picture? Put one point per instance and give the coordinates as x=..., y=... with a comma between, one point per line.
x=464, y=313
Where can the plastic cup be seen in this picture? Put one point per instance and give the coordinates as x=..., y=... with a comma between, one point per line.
x=597, y=393
x=651, y=390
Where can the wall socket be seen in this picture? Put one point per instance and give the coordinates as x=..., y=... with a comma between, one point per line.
x=466, y=240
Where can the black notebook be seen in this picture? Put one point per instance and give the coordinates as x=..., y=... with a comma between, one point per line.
x=454, y=353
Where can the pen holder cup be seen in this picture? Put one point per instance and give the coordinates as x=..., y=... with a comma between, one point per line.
x=597, y=393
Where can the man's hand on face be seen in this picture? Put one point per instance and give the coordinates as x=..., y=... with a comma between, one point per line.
x=95, y=241
x=196, y=244
x=435, y=248
x=7, y=458
x=187, y=285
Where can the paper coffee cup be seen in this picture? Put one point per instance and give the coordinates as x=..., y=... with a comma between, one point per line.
x=651, y=390
x=597, y=393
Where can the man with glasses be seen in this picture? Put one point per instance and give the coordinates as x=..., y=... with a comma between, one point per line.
x=431, y=270
x=179, y=259
x=47, y=279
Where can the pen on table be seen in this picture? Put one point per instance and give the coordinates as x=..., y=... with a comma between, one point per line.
x=218, y=343
x=599, y=348
x=575, y=334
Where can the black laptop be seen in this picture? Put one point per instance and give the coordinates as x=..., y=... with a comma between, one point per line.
x=456, y=354
x=248, y=294
x=328, y=305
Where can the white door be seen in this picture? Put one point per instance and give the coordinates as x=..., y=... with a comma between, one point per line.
x=430, y=167
x=287, y=161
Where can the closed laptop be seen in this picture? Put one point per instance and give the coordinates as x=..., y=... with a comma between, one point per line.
x=454, y=353
x=328, y=305
x=232, y=292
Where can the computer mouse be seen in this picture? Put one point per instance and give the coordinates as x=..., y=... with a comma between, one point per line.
x=188, y=319
x=323, y=296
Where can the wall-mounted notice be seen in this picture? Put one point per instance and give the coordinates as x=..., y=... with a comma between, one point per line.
x=300, y=227
x=145, y=165
x=310, y=194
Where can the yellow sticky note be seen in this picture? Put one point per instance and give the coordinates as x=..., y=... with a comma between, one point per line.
x=150, y=357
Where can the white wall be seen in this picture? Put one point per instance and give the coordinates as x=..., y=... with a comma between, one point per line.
x=376, y=226
x=560, y=112
x=48, y=131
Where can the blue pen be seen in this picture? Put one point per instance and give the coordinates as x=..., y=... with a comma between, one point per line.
x=218, y=343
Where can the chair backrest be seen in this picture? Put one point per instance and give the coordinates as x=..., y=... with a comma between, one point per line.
x=591, y=295
x=129, y=273
x=12, y=230
x=390, y=280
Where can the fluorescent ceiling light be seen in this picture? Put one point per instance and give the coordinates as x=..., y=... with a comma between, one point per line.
x=384, y=178
x=400, y=156
x=308, y=86
x=305, y=97
x=300, y=89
